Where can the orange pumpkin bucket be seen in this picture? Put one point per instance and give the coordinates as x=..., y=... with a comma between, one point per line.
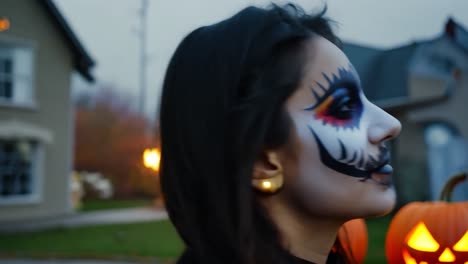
x=353, y=239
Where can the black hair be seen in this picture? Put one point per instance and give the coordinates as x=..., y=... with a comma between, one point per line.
x=222, y=104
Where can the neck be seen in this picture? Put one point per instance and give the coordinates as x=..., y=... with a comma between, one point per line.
x=305, y=236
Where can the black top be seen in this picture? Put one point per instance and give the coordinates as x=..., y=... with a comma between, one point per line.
x=188, y=258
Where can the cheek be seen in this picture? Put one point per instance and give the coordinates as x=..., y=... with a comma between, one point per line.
x=308, y=181
x=322, y=192
x=354, y=140
x=317, y=189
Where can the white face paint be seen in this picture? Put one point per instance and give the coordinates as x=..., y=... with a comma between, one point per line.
x=333, y=122
x=338, y=114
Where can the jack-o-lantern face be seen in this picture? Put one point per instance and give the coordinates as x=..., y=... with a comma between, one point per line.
x=422, y=247
x=430, y=232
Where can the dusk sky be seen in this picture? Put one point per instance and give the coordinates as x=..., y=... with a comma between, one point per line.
x=107, y=29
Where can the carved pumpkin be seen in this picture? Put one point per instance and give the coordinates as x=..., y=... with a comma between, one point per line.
x=353, y=239
x=430, y=232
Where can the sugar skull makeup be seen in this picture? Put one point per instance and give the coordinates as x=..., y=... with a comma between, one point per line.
x=335, y=162
x=336, y=120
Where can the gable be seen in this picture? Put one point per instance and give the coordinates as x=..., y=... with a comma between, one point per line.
x=439, y=58
x=40, y=23
x=81, y=59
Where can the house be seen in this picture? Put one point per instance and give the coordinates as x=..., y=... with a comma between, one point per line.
x=425, y=85
x=38, y=55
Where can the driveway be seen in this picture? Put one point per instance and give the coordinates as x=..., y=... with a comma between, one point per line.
x=115, y=216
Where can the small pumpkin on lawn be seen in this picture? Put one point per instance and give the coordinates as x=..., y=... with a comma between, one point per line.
x=352, y=237
x=430, y=232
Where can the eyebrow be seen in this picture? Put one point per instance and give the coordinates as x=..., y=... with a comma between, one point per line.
x=344, y=78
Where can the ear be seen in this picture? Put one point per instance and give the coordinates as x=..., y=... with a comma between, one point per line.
x=267, y=173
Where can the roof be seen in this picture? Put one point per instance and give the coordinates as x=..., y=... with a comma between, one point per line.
x=364, y=60
x=389, y=78
x=384, y=73
x=458, y=34
x=83, y=62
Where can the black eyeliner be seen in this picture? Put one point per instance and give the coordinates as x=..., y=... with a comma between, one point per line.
x=344, y=79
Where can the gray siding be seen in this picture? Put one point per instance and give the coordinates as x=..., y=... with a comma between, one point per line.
x=53, y=67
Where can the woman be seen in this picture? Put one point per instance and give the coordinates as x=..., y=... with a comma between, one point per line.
x=268, y=142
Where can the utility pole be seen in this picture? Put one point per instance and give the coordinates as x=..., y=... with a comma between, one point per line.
x=143, y=59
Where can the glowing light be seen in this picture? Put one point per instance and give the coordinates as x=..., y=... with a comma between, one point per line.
x=421, y=239
x=462, y=244
x=266, y=184
x=151, y=158
x=4, y=24
x=408, y=259
x=447, y=256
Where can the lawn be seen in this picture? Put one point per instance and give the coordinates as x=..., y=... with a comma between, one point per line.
x=143, y=241
x=95, y=205
x=377, y=230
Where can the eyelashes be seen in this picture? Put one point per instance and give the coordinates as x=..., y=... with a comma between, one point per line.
x=340, y=105
x=339, y=109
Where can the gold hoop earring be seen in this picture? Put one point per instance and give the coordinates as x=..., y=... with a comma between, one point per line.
x=269, y=185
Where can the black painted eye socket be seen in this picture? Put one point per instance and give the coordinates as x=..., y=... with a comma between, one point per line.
x=340, y=105
x=344, y=104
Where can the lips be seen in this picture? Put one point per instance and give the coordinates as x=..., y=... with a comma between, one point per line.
x=384, y=169
x=383, y=175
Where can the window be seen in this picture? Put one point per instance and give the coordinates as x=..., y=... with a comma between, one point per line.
x=6, y=85
x=438, y=134
x=18, y=170
x=16, y=74
x=447, y=152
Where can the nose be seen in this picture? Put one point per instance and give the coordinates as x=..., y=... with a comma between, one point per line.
x=383, y=126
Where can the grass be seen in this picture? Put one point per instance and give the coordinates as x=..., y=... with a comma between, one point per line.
x=144, y=241
x=95, y=205
x=377, y=230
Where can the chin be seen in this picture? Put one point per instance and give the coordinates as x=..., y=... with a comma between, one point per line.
x=381, y=204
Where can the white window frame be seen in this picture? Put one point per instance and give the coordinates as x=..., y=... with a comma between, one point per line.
x=6, y=77
x=37, y=164
x=18, y=130
x=31, y=46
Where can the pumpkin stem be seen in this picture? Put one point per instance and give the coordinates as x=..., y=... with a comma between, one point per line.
x=446, y=194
